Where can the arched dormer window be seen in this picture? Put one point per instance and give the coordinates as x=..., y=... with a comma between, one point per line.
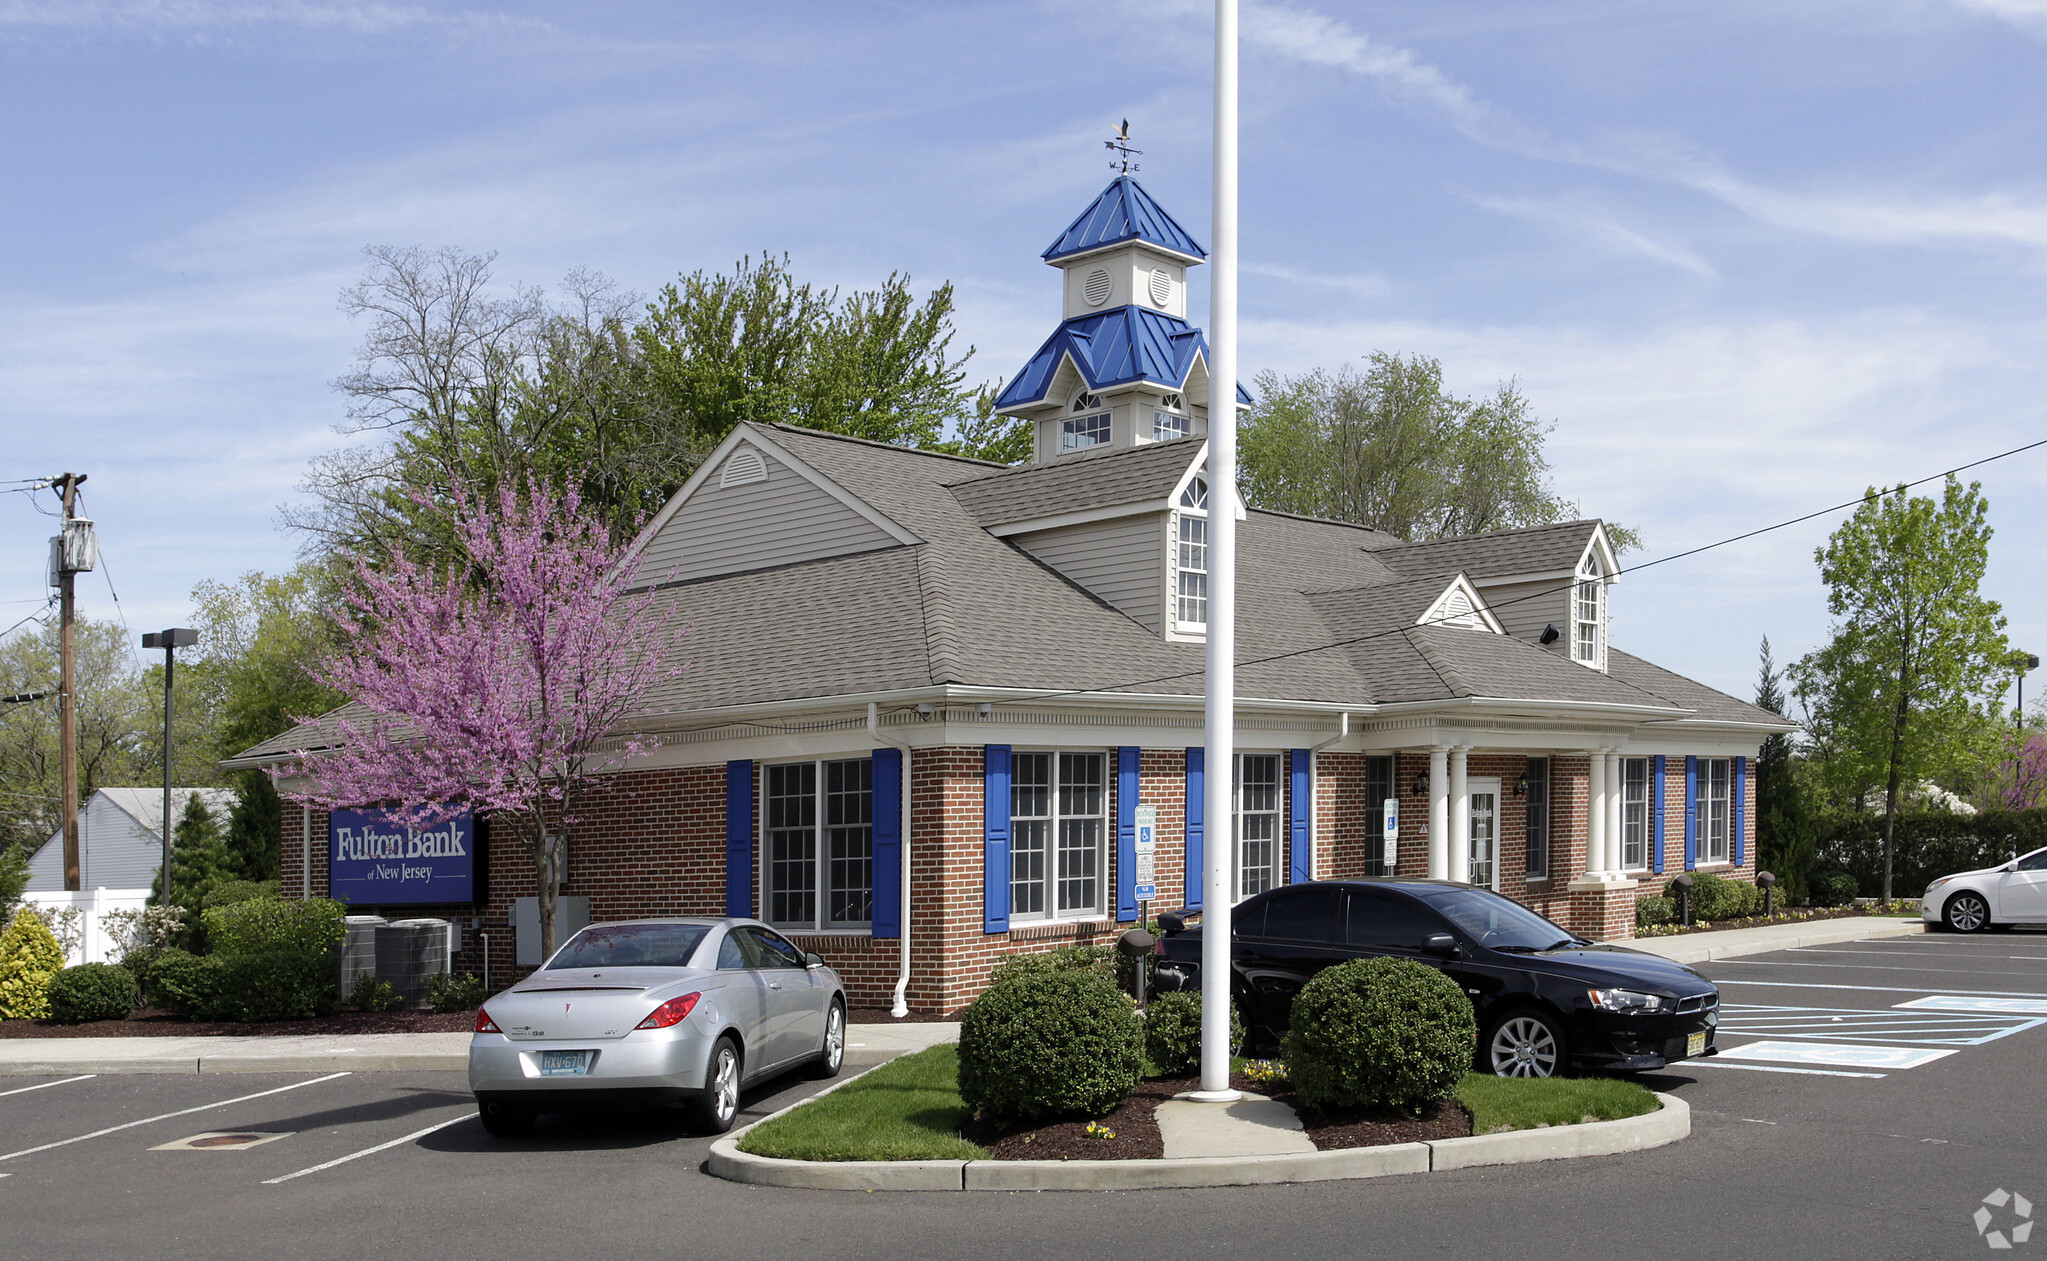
x=1085, y=402
x=1190, y=558
x=1169, y=420
x=1588, y=621
x=1196, y=494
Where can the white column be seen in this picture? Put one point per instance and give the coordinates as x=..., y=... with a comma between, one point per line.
x=1439, y=813
x=1460, y=817
x=1595, y=814
x=1221, y=701
x=1616, y=858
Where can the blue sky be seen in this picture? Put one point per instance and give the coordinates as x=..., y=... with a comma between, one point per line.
x=1749, y=257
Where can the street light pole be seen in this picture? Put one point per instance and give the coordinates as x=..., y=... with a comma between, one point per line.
x=2026, y=661
x=170, y=641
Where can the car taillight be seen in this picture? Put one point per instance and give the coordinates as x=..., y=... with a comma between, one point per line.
x=672, y=1012
x=484, y=1024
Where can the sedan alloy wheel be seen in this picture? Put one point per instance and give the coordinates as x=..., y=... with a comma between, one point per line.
x=1524, y=1046
x=1967, y=912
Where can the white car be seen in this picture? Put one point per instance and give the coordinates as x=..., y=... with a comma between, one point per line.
x=1995, y=897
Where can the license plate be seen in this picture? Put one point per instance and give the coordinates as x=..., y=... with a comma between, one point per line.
x=564, y=1063
x=1695, y=1044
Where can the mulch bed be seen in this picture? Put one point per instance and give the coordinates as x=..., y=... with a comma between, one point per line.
x=150, y=1023
x=880, y=1016
x=1758, y=921
x=1137, y=1129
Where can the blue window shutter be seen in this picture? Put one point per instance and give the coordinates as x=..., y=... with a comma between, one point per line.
x=995, y=842
x=739, y=838
x=1297, y=847
x=1691, y=812
x=1739, y=808
x=1194, y=867
x=1656, y=817
x=888, y=843
x=1126, y=834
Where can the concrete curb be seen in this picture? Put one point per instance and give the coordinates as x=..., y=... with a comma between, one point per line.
x=1667, y=1124
x=1700, y=948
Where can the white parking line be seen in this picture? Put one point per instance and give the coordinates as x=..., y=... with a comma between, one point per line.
x=1904, y=1022
x=1849, y=1054
x=204, y=1107
x=1925, y=954
x=370, y=1151
x=1862, y=989
x=1964, y=1003
x=1771, y=1068
x=1854, y=967
x=22, y=1090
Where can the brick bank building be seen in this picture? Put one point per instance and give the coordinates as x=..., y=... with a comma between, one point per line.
x=926, y=696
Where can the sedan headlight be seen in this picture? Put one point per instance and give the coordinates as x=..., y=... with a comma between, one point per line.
x=1938, y=883
x=1627, y=1002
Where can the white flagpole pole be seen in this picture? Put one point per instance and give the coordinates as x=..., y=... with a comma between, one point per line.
x=1222, y=577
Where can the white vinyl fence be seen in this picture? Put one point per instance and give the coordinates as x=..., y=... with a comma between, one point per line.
x=78, y=920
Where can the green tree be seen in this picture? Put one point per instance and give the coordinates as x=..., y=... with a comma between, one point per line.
x=258, y=637
x=253, y=827
x=114, y=715
x=13, y=878
x=1389, y=448
x=1787, y=842
x=1905, y=687
x=987, y=436
x=200, y=859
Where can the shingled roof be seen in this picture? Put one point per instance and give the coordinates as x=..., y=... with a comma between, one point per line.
x=1079, y=483
x=1534, y=550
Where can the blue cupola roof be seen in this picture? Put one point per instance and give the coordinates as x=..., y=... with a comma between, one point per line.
x=1124, y=212
x=1116, y=347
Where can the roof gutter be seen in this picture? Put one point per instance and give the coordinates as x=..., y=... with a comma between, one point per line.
x=901, y=1007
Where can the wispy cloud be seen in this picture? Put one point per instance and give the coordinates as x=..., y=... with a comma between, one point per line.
x=1584, y=218
x=1360, y=284
x=200, y=16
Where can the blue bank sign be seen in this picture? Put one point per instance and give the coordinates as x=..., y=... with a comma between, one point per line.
x=373, y=861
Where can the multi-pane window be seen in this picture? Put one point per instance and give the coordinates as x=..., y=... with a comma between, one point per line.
x=1058, y=821
x=1255, y=823
x=818, y=866
x=1078, y=433
x=1585, y=638
x=1191, y=595
x=1378, y=787
x=1538, y=818
x=1166, y=426
x=1712, y=809
x=1634, y=813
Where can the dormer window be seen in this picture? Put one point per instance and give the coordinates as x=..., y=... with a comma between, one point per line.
x=1196, y=494
x=1079, y=433
x=1166, y=426
x=1588, y=641
x=1190, y=559
x=1085, y=402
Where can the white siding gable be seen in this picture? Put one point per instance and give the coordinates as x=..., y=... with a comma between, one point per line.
x=754, y=506
x=118, y=843
x=1460, y=605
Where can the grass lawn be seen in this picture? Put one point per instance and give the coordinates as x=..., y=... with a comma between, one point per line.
x=908, y=1109
x=1523, y=1103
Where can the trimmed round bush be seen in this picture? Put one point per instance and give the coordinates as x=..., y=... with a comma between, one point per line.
x=1654, y=911
x=236, y=891
x=1046, y=1044
x=276, y=926
x=372, y=993
x=449, y=992
x=1717, y=898
x=92, y=991
x=29, y=958
x=1833, y=888
x=277, y=986
x=1172, y=1032
x=174, y=980
x=1379, y=1033
x=1100, y=959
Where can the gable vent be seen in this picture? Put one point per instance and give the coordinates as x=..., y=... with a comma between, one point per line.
x=1456, y=610
x=1161, y=287
x=742, y=467
x=1096, y=288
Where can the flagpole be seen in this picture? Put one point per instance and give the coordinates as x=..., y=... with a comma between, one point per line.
x=1221, y=699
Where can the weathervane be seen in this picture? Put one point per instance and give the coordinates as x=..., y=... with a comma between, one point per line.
x=1120, y=146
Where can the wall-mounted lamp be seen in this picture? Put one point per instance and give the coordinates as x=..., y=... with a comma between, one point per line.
x=925, y=710
x=1421, y=784
x=1550, y=635
x=984, y=709
x=1521, y=786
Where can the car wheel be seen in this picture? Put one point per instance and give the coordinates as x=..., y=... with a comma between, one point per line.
x=1966, y=912
x=833, y=1057
x=1525, y=1043
x=501, y=1121
x=713, y=1111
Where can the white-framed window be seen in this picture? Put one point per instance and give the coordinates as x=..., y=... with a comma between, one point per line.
x=1190, y=557
x=1587, y=642
x=1635, y=813
x=1713, y=782
x=1166, y=426
x=1254, y=822
x=1058, y=820
x=817, y=868
x=1078, y=433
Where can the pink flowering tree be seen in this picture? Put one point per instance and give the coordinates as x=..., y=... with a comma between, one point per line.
x=496, y=684
x=2022, y=779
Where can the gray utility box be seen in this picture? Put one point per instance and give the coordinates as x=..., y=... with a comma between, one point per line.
x=408, y=952
x=570, y=916
x=359, y=950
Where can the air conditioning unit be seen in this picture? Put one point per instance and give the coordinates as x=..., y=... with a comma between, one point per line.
x=408, y=952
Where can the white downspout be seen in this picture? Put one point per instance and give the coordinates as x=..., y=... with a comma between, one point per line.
x=901, y=1007
x=1314, y=778
x=305, y=847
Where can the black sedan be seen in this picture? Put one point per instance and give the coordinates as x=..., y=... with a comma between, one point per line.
x=1545, y=1000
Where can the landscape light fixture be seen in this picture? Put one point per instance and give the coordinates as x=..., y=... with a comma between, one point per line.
x=170, y=641
x=1421, y=784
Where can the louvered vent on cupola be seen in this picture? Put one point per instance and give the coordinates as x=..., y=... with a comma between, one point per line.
x=1097, y=285
x=744, y=466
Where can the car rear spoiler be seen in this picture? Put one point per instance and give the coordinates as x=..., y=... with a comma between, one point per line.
x=1171, y=922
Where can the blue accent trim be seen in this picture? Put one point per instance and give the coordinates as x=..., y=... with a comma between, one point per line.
x=1737, y=809
x=1656, y=816
x=1126, y=834
x=1193, y=867
x=1110, y=348
x=887, y=914
x=995, y=841
x=1297, y=848
x=1123, y=212
x=739, y=838
x=1691, y=812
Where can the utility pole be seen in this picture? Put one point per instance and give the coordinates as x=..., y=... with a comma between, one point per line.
x=67, y=551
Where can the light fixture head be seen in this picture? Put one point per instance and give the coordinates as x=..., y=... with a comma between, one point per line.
x=984, y=709
x=1421, y=784
x=925, y=709
x=175, y=637
x=1550, y=634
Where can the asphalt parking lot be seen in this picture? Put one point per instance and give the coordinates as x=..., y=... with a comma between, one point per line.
x=1870, y=1094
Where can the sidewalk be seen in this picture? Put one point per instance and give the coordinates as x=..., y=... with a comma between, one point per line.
x=365, y=1052
x=1732, y=943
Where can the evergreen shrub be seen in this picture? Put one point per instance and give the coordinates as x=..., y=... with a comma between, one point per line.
x=1926, y=845
x=452, y=992
x=1379, y=1033
x=92, y=991
x=1717, y=898
x=29, y=958
x=1832, y=888
x=314, y=926
x=174, y=980
x=372, y=993
x=1652, y=911
x=237, y=891
x=1172, y=1032
x=1049, y=1043
x=284, y=985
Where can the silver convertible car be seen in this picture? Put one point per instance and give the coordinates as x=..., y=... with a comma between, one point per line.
x=656, y=1013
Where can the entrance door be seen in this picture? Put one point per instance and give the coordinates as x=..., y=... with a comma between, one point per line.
x=1485, y=833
